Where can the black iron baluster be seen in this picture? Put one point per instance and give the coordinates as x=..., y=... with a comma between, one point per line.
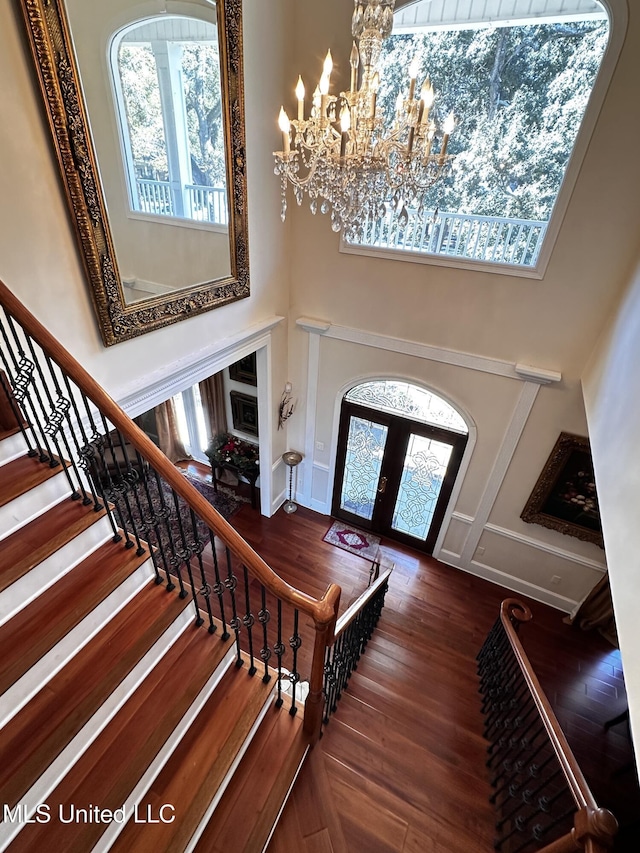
x=248, y=620
x=263, y=618
x=89, y=454
x=185, y=554
x=218, y=587
x=150, y=521
x=122, y=487
x=205, y=589
x=231, y=583
x=279, y=651
x=80, y=445
x=60, y=415
x=294, y=642
x=53, y=418
x=20, y=383
x=17, y=412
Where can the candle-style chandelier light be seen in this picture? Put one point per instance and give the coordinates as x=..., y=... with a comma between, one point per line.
x=344, y=157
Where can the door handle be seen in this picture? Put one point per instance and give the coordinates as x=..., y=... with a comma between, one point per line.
x=382, y=485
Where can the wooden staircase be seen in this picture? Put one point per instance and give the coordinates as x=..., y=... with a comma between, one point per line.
x=123, y=725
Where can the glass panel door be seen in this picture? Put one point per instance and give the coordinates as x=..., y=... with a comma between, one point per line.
x=423, y=473
x=366, y=442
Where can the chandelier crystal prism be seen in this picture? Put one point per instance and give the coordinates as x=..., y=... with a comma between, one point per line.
x=343, y=157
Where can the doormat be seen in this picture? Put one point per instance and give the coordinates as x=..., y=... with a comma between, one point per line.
x=352, y=539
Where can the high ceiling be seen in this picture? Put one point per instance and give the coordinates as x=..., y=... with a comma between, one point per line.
x=457, y=13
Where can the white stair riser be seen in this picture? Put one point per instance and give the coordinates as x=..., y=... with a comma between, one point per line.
x=45, y=574
x=43, y=671
x=12, y=448
x=56, y=771
x=33, y=503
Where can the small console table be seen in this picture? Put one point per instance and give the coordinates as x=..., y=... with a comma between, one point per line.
x=248, y=474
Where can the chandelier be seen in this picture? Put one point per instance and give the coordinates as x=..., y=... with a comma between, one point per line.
x=343, y=156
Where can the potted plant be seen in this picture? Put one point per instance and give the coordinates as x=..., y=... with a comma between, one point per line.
x=228, y=450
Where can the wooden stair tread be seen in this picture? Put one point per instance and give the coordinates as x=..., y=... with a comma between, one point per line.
x=34, y=542
x=251, y=803
x=36, y=736
x=7, y=433
x=199, y=765
x=22, y=474
x=111, y=767
x=37, y=628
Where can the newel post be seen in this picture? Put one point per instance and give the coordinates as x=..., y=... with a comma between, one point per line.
x=325, y=624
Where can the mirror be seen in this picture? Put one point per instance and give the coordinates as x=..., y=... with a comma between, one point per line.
x=145, y=103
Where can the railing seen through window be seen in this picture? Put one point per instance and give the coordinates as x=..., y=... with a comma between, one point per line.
x=520, y=87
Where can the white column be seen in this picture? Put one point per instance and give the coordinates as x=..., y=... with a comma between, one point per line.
x=315, y=328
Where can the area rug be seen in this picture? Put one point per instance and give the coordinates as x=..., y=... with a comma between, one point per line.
x=353, y=539
x=225, y=500
x=155, y=514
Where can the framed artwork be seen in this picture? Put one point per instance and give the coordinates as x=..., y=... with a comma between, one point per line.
x=244, y=370
x=564, y=498
x=244, y=410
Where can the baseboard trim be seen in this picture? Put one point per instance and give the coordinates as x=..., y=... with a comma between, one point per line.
x=488, y=573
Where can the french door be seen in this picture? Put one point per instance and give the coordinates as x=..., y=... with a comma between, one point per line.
x=394, y=476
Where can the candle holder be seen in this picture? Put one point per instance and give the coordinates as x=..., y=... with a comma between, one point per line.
x=291, y=458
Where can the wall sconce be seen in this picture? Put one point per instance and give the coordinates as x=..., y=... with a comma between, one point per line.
x=287, y=405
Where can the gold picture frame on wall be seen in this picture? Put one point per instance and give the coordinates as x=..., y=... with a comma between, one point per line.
x=564, y=497
x=53, y=52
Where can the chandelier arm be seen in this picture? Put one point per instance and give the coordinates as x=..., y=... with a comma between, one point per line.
x=361, y=169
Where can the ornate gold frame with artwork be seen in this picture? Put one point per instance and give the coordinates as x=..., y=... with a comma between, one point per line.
x=564, y=498
x=52, y=49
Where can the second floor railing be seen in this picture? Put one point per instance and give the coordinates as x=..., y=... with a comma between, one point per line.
x=192, y=201
x=68, y=421
x=542, y=799
x=492, y=239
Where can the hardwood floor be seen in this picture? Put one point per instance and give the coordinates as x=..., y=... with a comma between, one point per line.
x=401, y=766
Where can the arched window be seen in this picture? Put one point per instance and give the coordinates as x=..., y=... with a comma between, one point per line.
x=519, y=75
x=408, y=401
x=166, y=77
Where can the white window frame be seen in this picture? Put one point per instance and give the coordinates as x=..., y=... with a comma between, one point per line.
x=618, y=15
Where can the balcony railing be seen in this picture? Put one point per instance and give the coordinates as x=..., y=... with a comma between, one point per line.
x=204, y=204
x=492, y=239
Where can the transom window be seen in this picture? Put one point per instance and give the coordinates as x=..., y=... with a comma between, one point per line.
x=167, y=82
x=408, y=401
x=519, y=75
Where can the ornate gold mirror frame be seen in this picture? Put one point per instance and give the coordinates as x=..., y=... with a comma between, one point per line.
x=52, y=49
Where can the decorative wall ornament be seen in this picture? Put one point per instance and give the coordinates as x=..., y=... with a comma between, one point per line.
x=287, y=405
x=564, y=498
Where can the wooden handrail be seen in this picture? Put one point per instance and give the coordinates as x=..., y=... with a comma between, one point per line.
x=352, y=611
x=321, y=610
x=594, y=827
x=511, y=609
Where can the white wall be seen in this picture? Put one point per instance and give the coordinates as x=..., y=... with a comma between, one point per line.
x=613, y=410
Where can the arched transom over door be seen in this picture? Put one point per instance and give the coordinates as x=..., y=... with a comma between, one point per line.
x=399, y=451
